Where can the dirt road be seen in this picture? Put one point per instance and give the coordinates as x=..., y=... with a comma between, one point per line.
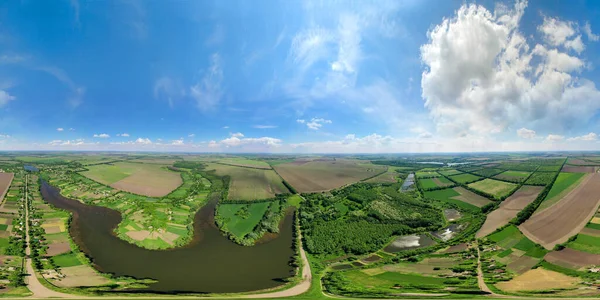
x=33, y=283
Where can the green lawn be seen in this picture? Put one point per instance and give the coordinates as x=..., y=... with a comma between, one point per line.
x=513, y=176
x=66, y=260
x=465, y=178
x=511, y=237
x=586, y=243
x=446, y=195
x=3, y=226
x=427, y=183
x=240, y=219
x=493, y=187
x=422, y=174
x=593, y=226
x=410, y=278
x=294, y=200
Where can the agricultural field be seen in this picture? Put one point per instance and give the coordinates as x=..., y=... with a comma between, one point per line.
x=138, y=178
x=427, y=174
x=464, y=178
x=324, y=175
x=487, y=172
x=567, y=217
x=513, y=176
x=435, y=182
x=564, y=183
x=509, y=208
x=498, y=189
x=244, y=162
x=541, y=178
x=519, y=254
x=460, y=197
x=250, y=184
x=449, y=172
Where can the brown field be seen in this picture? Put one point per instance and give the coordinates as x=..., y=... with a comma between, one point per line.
x=590, y=231
x=567, y=217
x=509, y=209
x=538, y=280
x=581, y=162
x=456, y=248
x=158, y=161
x=250, y=183
x=82, y=275
x=319, y=176
x=157, y=183
x=5, y=181
x=58, y=248
x=470, y=197
x=579, y=169
x=522, y=264
x=573, y=259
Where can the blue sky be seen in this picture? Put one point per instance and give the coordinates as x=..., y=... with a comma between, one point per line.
x=299, y=76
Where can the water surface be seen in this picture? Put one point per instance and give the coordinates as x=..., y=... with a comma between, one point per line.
x=210, y=263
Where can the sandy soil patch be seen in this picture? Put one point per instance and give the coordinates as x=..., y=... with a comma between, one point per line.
x=578, y=169
x=509, y=209
x=80, y=276
x=595, y=220
x=470, y=197
x=567, y=217
x=138, y=235
x=58, y=248
x=571, y=258
x=52, y=229
x=537, y=280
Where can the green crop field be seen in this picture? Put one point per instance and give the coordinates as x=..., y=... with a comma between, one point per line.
x=513, y=176
x=244, y=162
x=446, y=195
x=586, y=243
x=493, y=187
x=449, y=172
x=240, y=219
x=465, y=178
x=66, y=260
x=564, y=183
x=427, y=183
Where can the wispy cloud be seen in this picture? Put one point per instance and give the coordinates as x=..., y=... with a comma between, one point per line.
x=102, y=135
x=191, y=135
x=76, y=7
x=216, y=37
x=264, y=126
x=169, y=88
x=314, y=123
x=208, y=92
x=5, y=97
x=123, y=134
x=60, y=129
x=77, y=91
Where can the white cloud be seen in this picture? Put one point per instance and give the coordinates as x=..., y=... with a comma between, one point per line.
x=586, y=137
x=505, y=82
x=4, y=136
x=71, y=129
x=177, y=142
x=101, y=135
x=208, y=92
x=5, y=97
x=588, y=31
x=60, y=129
x=237, y=135
x=253, y=142
x=191, y=135
x=225, y=127
x=526, y=133
x=264, y=126
x=421, y=132
x=145, y=141
x=554, y=138
x=557, y=33
x=77, y=142
x=314, y=123
x=123, y=134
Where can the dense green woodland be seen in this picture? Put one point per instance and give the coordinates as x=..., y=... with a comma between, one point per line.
x=363, y=217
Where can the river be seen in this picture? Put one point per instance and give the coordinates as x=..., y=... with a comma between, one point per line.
x=209, y=264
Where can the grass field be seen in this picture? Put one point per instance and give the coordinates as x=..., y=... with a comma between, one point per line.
x=511, y=238
x=427, y=183
x=586, y=243
x=565, y=182
x=250, y=184
x=324, y=175
x=449, y=172
x=66, y=260
x=493, y=187
x=513, y=176
x=240, y=219
x=144, y=179
x=465, y=178
x=460, y=197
